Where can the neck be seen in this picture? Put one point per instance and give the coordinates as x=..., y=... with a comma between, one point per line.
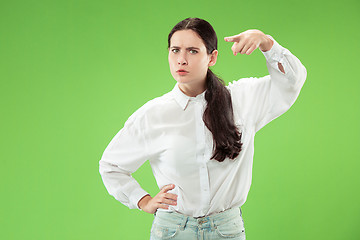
x=192, y=90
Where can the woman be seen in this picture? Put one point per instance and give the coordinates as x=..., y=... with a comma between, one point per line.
x=199, y=137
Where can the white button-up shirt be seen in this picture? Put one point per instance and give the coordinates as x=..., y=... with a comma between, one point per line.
x=170, y=133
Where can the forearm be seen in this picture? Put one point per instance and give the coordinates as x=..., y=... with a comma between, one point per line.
x=120, y=184
x=266, y=46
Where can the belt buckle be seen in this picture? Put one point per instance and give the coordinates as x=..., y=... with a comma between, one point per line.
x=201, y=220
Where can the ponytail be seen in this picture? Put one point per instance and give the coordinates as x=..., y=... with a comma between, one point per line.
x=219, y=119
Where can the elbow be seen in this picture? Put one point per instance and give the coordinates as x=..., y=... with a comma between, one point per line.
x=302, y=74
x=106, y=167
x=300, y=77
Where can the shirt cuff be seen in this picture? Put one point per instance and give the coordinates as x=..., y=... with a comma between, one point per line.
x=276, y=53
x=135, y=197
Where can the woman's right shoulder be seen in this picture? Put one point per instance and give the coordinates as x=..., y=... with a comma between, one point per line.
x=151, y=106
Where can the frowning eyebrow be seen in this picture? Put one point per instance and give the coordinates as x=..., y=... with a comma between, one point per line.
x=186, y=48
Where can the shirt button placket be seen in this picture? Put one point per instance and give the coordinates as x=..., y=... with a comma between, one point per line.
x=203, y=171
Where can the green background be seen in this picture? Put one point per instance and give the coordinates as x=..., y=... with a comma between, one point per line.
x=72, y=72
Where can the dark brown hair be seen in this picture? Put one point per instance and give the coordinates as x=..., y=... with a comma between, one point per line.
x=218, y=115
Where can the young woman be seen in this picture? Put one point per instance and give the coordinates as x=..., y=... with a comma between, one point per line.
x=199, y=137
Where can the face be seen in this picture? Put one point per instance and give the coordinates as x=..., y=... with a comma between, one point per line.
x=188, y=52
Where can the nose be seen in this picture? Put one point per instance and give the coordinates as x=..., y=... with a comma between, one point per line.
x=182, y=60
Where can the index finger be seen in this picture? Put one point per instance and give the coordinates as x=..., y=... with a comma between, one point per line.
x=167, y=188
x=234, y=38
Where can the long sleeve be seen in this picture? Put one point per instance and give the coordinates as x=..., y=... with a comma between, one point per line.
x=260, y=100
x=126, y=152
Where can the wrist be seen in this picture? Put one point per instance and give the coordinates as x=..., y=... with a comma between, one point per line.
x=144, y=200
x=267, y=44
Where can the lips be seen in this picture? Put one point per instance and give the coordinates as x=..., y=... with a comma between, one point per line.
x=181, y=70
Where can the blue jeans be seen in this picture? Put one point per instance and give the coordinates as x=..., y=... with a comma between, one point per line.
x=173, y=225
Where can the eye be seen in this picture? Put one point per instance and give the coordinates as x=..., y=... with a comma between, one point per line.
x=174, y=49
x=193, y=50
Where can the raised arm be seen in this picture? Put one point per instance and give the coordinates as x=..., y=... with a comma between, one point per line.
x=260, y=100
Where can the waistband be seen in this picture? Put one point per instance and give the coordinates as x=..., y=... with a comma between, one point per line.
x=212, y=219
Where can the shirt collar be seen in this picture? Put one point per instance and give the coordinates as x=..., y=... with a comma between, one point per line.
x=182, y=99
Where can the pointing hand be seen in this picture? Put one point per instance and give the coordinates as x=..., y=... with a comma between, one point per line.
x=246, y=42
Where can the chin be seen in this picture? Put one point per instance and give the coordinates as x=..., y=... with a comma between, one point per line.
x=182, y=79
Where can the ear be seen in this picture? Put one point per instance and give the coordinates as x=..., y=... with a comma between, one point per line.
x=213, y=57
